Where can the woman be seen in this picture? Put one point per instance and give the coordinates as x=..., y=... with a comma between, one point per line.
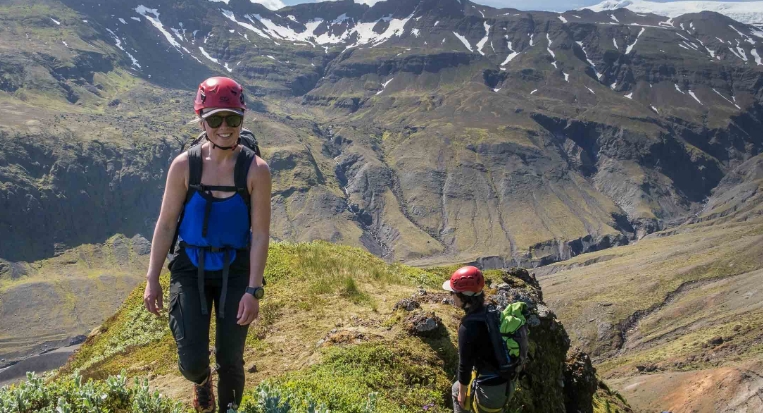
x=476, y=358
x=221, y=192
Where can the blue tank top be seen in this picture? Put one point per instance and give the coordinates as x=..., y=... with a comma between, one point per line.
x=228, y=227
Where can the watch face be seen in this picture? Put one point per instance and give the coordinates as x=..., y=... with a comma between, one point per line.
x=256, y=292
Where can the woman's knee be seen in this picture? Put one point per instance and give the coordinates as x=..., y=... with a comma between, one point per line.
x=194, y=365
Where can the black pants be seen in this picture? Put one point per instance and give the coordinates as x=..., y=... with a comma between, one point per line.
x=191, y=329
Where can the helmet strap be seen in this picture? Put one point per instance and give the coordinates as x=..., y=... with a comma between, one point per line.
x=225, y=148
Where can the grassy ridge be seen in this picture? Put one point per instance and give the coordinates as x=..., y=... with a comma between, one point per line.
x=328, y=335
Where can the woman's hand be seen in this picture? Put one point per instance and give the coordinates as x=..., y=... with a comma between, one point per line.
x=462, y=390
x=152, y=297
x=248, y=310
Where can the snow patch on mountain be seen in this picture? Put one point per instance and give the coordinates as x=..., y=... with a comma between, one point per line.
x=691, y=93
x=384, y=86
x=724, y=98
x=464, y=41
x=630, y=47
x=549, y=46
x=593, y=66
x=745, y=12
x=119, y=46
x=511, y=56
x=366, y=34
x=154, y=20
x=755, y=54
x=230, y=16
x=204, y=52
x=482, y=42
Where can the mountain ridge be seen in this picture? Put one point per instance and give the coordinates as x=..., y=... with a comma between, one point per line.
x=615, y=124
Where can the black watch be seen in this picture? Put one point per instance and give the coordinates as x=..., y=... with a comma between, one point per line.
x=256, y=292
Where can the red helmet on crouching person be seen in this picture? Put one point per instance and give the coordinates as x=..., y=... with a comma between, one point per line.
x=220, y=93
x=466, y=280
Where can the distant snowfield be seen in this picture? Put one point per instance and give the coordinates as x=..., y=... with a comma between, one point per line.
x=271, y=4
x=746, y=12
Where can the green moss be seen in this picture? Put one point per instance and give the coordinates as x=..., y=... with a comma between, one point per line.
x=406, y=376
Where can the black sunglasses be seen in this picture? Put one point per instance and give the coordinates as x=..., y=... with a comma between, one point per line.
x=215, y=121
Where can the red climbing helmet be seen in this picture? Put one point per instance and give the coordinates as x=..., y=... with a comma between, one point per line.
x=466, y=280
x=221, y=93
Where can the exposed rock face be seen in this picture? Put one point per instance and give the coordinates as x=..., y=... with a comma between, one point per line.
x=580, y=383
x=60, y=191
x=424, y=325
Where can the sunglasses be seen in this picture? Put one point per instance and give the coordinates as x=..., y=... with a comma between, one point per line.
x=215, y=121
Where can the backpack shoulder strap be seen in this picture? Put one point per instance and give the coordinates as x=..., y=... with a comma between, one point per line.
x=195, y=165
x=241, y=171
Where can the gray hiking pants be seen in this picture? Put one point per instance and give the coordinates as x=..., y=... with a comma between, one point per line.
x=491, y=397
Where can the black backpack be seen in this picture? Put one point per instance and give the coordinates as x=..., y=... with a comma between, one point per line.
x=251, y=148
x=508, y=366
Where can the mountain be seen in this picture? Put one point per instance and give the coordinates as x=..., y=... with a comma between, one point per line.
x=748, y=12
x=427, y=132
x=678, y=308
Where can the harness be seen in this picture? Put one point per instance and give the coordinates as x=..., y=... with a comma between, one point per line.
x=241, y=170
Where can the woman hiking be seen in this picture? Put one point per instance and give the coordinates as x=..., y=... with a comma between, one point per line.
x=217, y=198
x=478, y=376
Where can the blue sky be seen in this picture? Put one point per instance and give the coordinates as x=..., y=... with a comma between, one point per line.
x=553, y=5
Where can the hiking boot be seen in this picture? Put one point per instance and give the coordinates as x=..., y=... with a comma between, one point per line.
x=204, y=396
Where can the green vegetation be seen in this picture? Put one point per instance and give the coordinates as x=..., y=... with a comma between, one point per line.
x=328, y=337
x=71, y=395
x=403, y=377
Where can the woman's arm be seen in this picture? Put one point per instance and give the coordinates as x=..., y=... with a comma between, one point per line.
x=172, y=203
x=259, y=189
x=260, y=201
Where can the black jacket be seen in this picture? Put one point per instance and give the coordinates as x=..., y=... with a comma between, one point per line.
x=474, y=348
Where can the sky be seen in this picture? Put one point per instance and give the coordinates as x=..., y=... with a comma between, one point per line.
x=551, y=5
